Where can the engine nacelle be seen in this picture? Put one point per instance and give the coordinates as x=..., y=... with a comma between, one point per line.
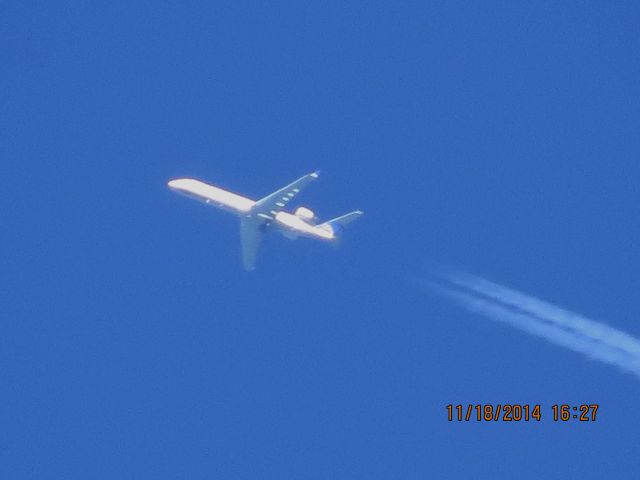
x=305, y=214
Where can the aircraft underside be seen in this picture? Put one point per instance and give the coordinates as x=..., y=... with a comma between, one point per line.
x=266, y=214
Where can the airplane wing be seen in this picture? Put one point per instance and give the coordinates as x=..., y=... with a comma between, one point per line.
x=250, y=237
x=270, y=205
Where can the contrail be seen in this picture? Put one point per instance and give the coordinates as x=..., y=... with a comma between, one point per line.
x=562, y=327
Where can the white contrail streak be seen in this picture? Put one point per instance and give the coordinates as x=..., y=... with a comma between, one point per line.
x=537, y=317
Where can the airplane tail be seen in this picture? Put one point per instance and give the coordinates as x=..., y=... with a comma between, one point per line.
x=337, y=224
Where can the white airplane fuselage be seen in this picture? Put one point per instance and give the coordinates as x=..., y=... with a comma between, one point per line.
x=290, y=225
x=266, y=214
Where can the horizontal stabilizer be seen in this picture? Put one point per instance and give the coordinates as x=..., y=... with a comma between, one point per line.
x=337, y=224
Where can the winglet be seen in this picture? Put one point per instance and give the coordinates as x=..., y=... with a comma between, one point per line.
x=315, y=174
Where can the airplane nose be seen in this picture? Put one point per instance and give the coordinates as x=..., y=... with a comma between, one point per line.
x=173, y=183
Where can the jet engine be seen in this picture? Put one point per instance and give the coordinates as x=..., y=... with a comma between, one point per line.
x=305, y=214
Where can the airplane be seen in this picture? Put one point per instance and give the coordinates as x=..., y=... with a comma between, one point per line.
x=267, y=214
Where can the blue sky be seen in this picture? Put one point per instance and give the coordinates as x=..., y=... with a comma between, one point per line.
x=499, y=138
